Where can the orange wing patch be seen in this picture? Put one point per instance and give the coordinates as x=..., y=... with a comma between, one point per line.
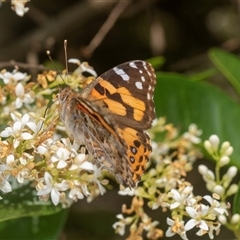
x=138, y=152
x=117, y=99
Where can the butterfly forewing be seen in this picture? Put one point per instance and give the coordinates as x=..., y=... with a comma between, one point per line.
x=127, y=92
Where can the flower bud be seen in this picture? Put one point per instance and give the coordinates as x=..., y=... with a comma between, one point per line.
x=235, y=218
x=229, y=151
x=208, y=146
x=225, y=146
x=222, y=219
x=219, y=190
x=232, y=189
x=202, y=169
x=214, y=140
x=224, y=161
x=232, y=171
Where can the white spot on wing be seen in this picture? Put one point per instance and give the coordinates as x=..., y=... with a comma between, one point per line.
x=143, y=78
x=149, y=73
x=140, y=71
x=132, y=64
x=148, y=96
x=139, y=85
x=121, y=73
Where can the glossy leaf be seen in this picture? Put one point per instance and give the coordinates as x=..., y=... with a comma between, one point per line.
x=43, y=227
x=184, y=102
x=228, y=64
x=23, y=202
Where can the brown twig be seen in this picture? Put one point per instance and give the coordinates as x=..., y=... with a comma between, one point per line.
x=13, y=63
x=56, y=28
x=105, y=28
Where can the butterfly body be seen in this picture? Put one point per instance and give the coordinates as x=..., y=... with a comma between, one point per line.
x=110, y=117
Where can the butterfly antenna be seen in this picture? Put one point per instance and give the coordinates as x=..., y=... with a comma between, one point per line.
x=66, y=57
x=50, y=58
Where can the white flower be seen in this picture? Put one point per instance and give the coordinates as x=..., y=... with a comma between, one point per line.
x=52, y=188
x=215, y=205
x=193, y=133
x=82, y=67
x=22, y=97
x=80, y=163
x=76, y=194
x=197, y=215
x=180, y=197
x=176, y=227
x=19, y=7
x=61, y=155
x=16, y=130
x=14, y=77
x=120, y=225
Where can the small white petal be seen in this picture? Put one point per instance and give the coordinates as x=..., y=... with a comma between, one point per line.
x=42, y=150
x=55, y=196
x=48, y=179
x=191, y=212
x=63, y=186
x=61, y=164
x=170, y=221
x=74, y=60
x=25, y=118
x=18, y=76
x=190, y=224
x=18, y=103
x=6, y=187
x=14, y=117
x=26, y=136
x=19, y=90
x=32, y=126
x=16, y=143
x=87, y=166
x=7, y=132
x=10, y=159
x=203, y=225
x=17, y=126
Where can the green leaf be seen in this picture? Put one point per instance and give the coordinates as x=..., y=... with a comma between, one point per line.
x=44, y=227
x=184, y=102
x=236, y=201
x=228, y=64
x=23, y=202
x=203, y=75
x=156, y=61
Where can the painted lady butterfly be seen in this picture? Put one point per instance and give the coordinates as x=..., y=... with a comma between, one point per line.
x=110, y=117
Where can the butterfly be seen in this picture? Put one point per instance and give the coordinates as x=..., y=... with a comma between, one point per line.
x=110, y=117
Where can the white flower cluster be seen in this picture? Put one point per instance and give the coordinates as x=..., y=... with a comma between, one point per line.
x=65, y=175
x=15, y=83
x=202, y=216
x=215, y=183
